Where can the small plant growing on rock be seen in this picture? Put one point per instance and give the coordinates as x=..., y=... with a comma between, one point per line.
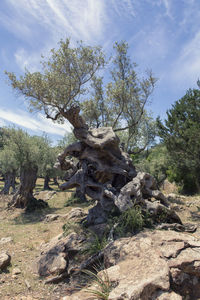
x=95, y=245
x=70, y=227
x=131, y=220
x=102, y=284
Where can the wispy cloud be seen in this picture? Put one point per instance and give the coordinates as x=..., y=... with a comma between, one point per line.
x=77, y=18
x=124, y=7
x=168, y=8
x=38, y=124
x=44, y=23
x=187, y=68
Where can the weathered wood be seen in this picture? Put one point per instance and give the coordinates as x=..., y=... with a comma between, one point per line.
x=105, y=172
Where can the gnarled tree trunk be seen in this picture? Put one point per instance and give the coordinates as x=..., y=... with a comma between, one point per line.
x=106, y=173
x=9, y=181
x=23, y=198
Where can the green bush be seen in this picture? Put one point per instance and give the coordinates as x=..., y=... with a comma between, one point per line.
x=95, y=245
x=131, y=220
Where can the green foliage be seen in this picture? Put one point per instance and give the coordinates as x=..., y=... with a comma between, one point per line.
x=26, y=149
x=69, y=227
x=62, y=81
x=68, y=139
x=154, y=161
x=95, y=244
x=181, y=135
x=130, y=221
x=121, y=102
x=8, y=162
x=102, y=282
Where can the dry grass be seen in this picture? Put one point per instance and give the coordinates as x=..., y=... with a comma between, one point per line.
x=28, y=231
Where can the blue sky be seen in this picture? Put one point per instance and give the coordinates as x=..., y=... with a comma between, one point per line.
x=163, y=35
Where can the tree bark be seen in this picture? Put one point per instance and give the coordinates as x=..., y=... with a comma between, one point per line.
x=9, y=181
x=55, y=181
x=106, y=173
x=46, y=183
x=23, y=198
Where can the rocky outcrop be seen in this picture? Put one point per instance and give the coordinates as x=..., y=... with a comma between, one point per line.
x=55, y=255
x=74, y=214
x=162, y=265
x=154, y=263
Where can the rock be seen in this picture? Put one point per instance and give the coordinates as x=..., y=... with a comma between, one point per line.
x=45, y=195
x=158, y=265
x=178, y=227
x=55, y=255
x=4, y=260
x=76, y=213
x=6, y=240
x=142, y=266
x=51, y=217
x=16, y=271
x=99, y=230
x=175, y=198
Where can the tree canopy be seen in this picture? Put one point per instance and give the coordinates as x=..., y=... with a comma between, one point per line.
x=181, y=135
x=70, y=78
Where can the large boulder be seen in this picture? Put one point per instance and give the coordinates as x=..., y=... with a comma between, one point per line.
x=151, y=264
x=55, y=255
x=162, y=265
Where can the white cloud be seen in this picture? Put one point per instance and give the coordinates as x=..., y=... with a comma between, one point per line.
x=39, y=124
x=187, y=68
x=45, y=22
x=77, y=18
x=167, y=5
x=124, y=7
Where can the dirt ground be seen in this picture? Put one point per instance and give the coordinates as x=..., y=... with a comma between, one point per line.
x=28, y=231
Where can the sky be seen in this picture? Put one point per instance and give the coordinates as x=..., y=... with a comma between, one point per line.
x=163, y=35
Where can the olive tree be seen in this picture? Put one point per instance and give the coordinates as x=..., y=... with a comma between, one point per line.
x=104, y=172
x=26, y=152
x=120, y=103
x=9, y=167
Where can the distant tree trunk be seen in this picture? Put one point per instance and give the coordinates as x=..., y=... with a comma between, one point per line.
x=55, y=181
x=24, y=198
x=46, y=183
x=197, y=182
x=9, y=181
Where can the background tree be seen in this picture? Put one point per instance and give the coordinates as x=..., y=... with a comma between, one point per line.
x=154, y=161
x=46, y=167
x=181, y=135
x=9, y=167
x=28, y=152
